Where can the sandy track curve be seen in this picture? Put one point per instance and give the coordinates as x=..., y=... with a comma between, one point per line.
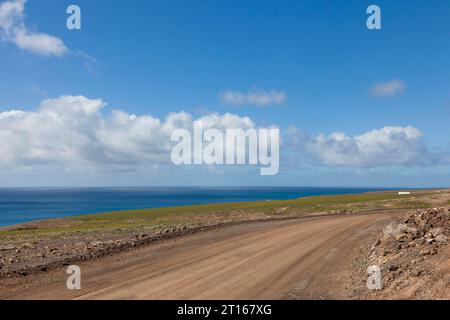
x=268, y=260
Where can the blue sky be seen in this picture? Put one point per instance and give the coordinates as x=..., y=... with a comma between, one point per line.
x=157, y=57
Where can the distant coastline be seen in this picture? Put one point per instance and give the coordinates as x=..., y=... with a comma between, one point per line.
x=20, y=205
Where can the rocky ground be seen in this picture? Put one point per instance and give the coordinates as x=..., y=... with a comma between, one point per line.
x=21, y=258
x=24, y=258
x=414, y=258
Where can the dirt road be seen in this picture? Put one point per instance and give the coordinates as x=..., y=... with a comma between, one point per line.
x=304, y=258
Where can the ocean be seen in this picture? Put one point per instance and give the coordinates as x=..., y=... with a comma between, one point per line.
x=18, y=205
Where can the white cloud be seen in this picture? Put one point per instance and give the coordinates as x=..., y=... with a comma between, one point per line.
x=388, y=89
x=255, y=97
x=72, y=131
x=13, y=29
x=377, y=148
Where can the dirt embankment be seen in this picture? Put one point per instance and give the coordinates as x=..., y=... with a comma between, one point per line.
x=21, y=258
x=413, y=255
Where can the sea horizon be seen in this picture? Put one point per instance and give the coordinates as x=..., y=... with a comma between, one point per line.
x=25, y=204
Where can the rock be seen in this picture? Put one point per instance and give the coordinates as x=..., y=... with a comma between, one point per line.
x=425, y=252
x=9, y=247
x=402, y=237
x=436, y=232
x=280, y=210
x=441, y=238
x=420, y=241
x=419, y=221
x=393, y=268
x=27, y=246
x=400, y=232
x=377, y=242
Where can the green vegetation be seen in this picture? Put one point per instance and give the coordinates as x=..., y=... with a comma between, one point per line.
x=160, y=218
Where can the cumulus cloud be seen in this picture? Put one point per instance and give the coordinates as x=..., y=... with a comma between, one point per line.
x=388, y=146
x=13, y=29
x=388, y=89
x=256, y=97
x=73, y=131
